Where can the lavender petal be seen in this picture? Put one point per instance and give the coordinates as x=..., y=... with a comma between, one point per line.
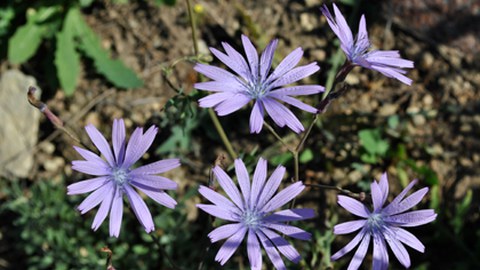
x=118, y=140
x=271, y=186
x=253, y=251
x=290, y=215
x=156, y=167
x=353, y=206
x=101, y=143
x=243, y=179
x=220, y=212
x=224, y=231
x=153, y=182
x=228, y=186
x=95, y=198
x=351, y=245
x=140, y=209
x=256, y=117
x=116, y=213
x=283, y=197
x=289, y=230
x=86, y=186
x=230, y=246
x=259, y=177
x=349, y=227
x=282, y=245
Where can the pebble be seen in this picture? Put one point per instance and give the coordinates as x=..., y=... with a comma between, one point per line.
x=427, y=60
x=307, y=21
x=388, y=109
x=419, y=120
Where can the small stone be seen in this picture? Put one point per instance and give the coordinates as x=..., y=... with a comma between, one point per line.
x=427, y=100
x=54, y=164
x=388, y=109
x=419, y=120
x=355, y=176
x=93, y=118
x=307, y=21
x=318, y=55
x=427, y=60
x=47, y=147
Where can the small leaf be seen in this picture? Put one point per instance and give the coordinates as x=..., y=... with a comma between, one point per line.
x=306, y=156
x=24, y=43
x=67, y=60
x=114, y=70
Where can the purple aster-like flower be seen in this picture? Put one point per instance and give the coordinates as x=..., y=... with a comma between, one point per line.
x=255, y=82
x=389, y=63
x=251, y=213
x=116, y=177
x=384, y=225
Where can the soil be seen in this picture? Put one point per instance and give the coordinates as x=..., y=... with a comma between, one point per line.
x=440, y=112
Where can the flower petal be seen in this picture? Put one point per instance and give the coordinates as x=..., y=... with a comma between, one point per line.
x=235, y=103
x=86, y=186
x=287, y=64
x=408, y=238
x=283, y=197
x=104, y=208
x=101, y=143
x=92, y=157
x=160, y=197
x=360, y=253
x=282, y=245
x=299, y=90
x=281, y=115
x=226, y=87
x=219, y=212
x=389, y=208
x=153, y=182
x=215, y=73
x=397, y=248
x=289, y=230
x=383, y=184
x=224, y=231
x=349, y=226
x=228, y=186
x=408, y=202
x=290, y=215
x=116, y=213
x=230, y=62
x=259, y=177
x=118, y=140
x=252, y=56
x=271, y=251
x=413, y=218
x=95, y=198
x=256, y=117
x=254, y=252
x=266, y=59
x=140, y=208
x=243, y=179
x=230, y=246
x=353, y=206
x=377, y=196
x=296, y=74
x=217, y=199
x=380, y=253
x=352, y=244
x=271, y=186
x=90, y=167
x=138, y=145
x=295, y=102
x=156, y=167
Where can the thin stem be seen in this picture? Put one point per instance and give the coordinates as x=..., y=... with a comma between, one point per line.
x=222, y=133
x=211, y=113
x=270, y=128
x=162, y=251
x=360, y=195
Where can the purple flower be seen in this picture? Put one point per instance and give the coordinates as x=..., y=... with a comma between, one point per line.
x=254, y=82
x=115, y=177
x=388, y=63
x=383, y=225
x=251, y=214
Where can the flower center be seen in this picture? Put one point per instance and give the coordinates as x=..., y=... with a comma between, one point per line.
x=120, y=176
x=375, y=222
x=252, y=218
x=257, y=89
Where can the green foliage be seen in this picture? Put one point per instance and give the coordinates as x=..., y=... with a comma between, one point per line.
x=66, y=26
x=461, y=211
x=374, y=145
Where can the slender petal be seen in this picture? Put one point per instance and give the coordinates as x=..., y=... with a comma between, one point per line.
x=282, y=245
x=116, y=213
x=284, y=196
x=353, y=206
x=227, y=184
x=290, y=215
x=118, y=140
x=89, y=167
x=271, y=251
x=232, y=104
x=224, y=231
x=230, y=246
x=253, y=251
x=217, y=198
x=380, y=253
x=349, y=227
x=351, y=245
x=104, y=208
x=252, y=56
x=140, y=209
x=94, y=199
x=289, y=230
x=271, y=186
x=86, y=186
x=259, y=177
x=243, y=179
x=398, y=249
x=156, y=167
x=101, y=143
x=256, y=117
x=138, y=145
x=219, y=212
x=160, y=197
x=154, y=182
x=91, y=157
x=360, y=253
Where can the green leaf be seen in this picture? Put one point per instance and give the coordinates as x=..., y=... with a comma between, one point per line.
x=114, y=70
x=24, y=43
x=306, y=156
x=372, y=142
x=67, y=60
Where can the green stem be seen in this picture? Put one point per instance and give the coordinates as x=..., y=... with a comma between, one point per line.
x=162, y=251
x=222, y=133
x=213, y=116
x=360, y=195
x=275, y=134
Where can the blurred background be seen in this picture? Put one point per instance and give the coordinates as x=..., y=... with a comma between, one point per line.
x=99, y=60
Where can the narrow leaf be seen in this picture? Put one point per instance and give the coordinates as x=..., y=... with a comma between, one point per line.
x=24, y=43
